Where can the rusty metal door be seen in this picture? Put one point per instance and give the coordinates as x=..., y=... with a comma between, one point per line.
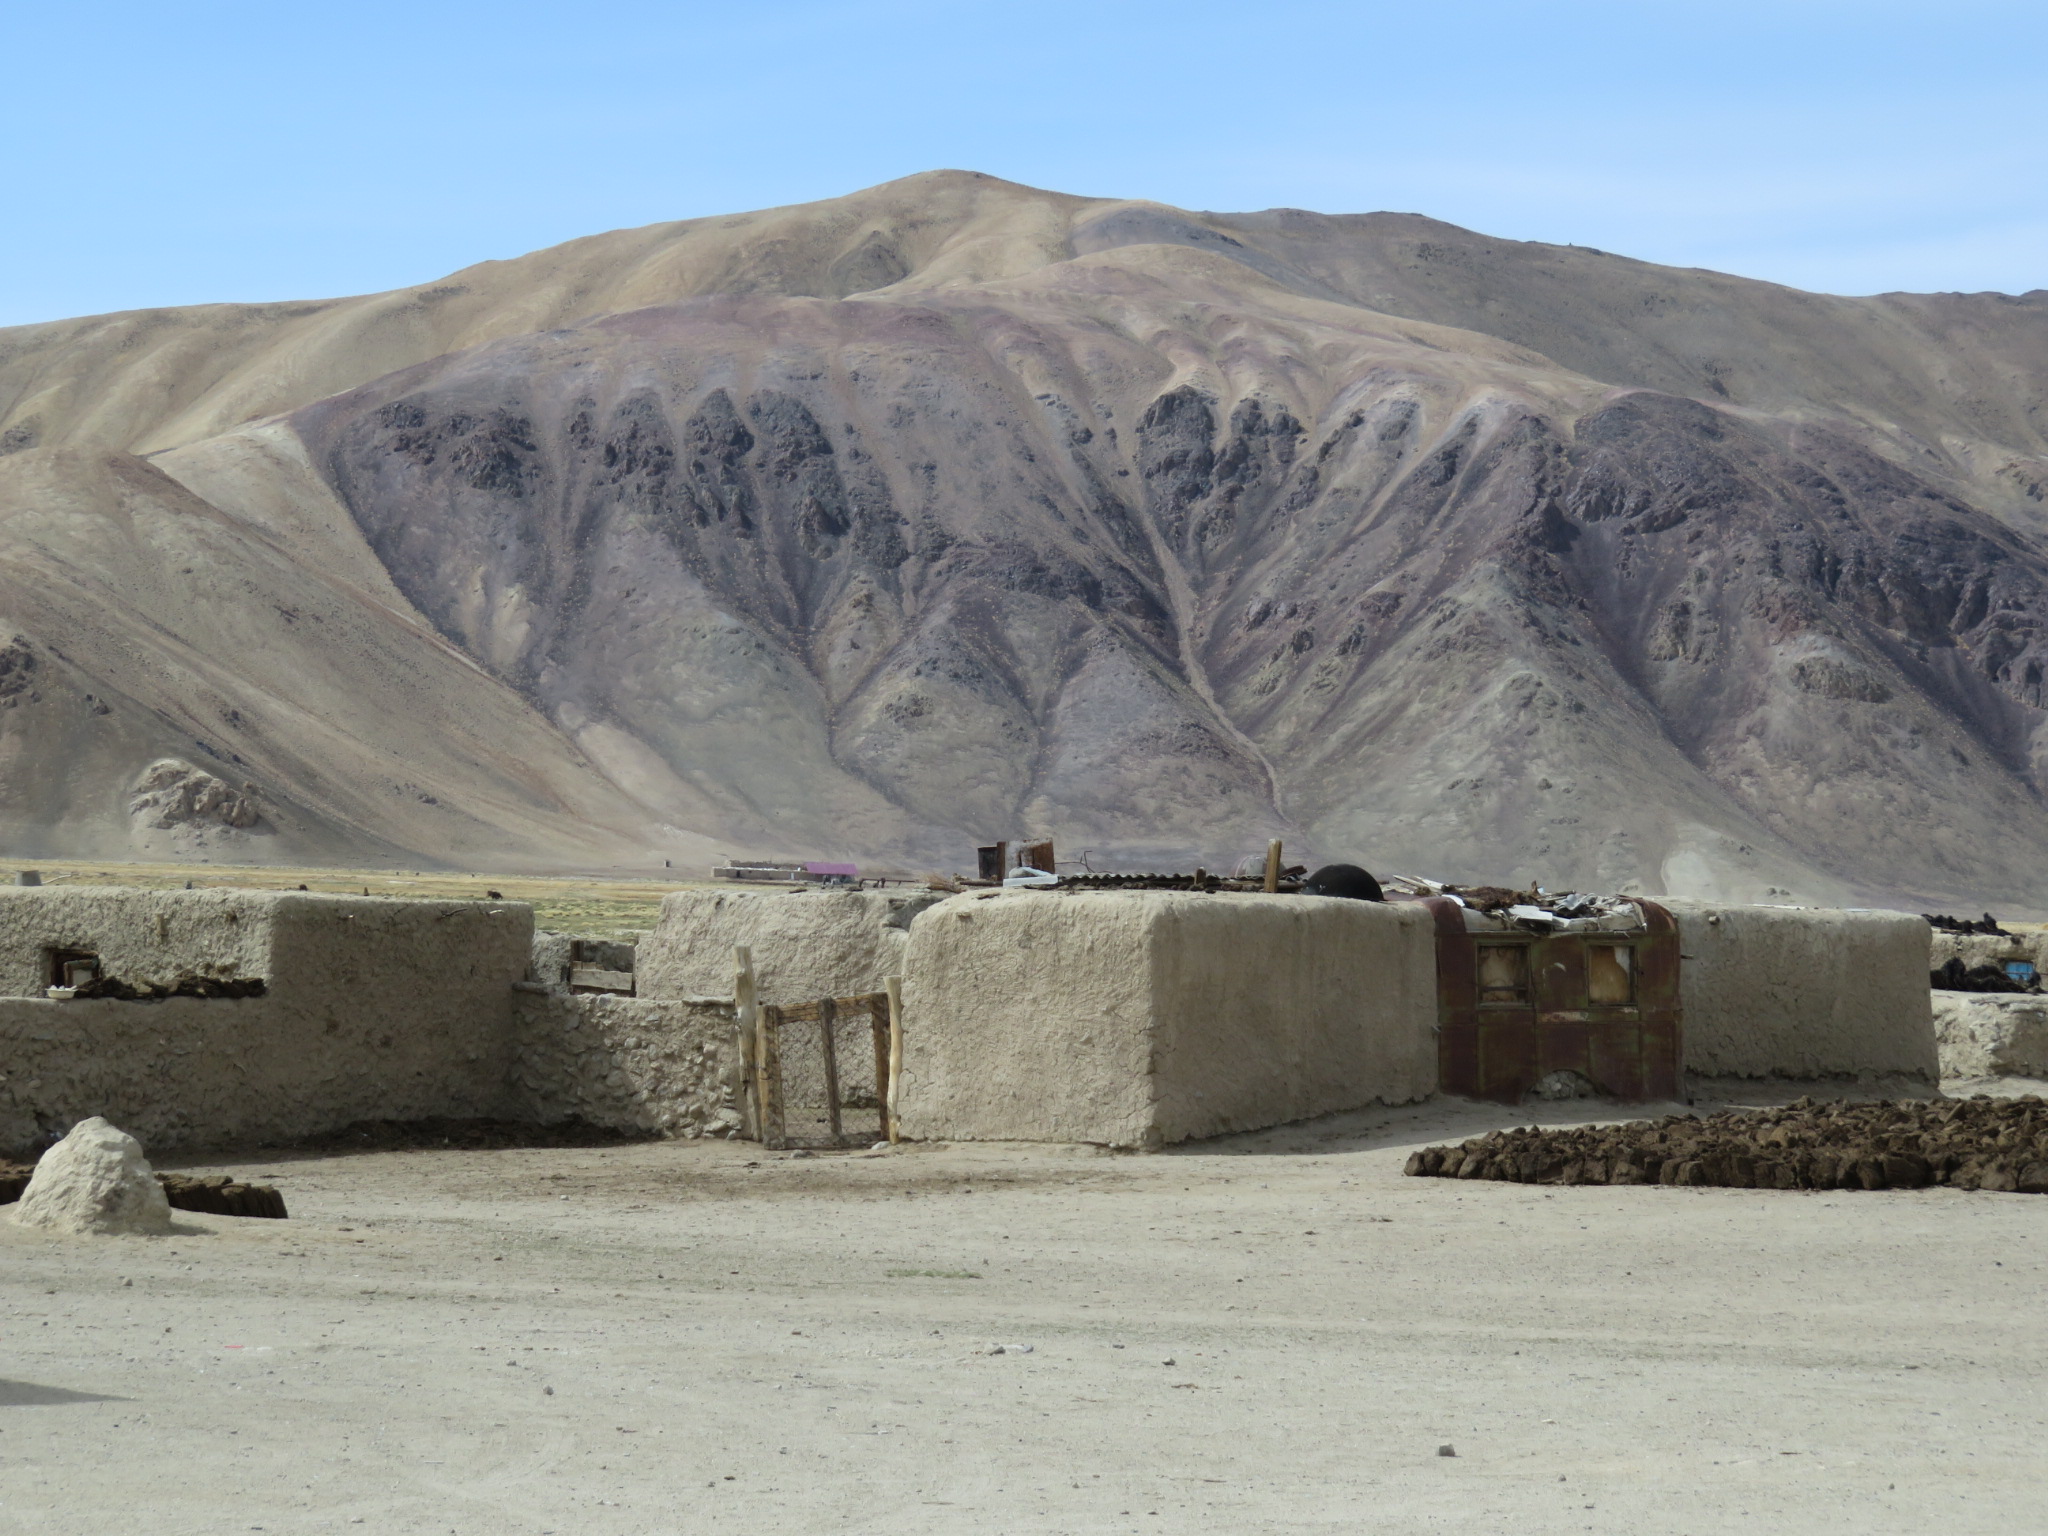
x=1515, y=1006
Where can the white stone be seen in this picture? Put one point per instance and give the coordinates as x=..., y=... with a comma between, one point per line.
x=97, y=1181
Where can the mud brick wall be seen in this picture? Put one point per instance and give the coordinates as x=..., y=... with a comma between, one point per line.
x=806, y=944
x=1147, y=1018
x=370, y=1009
x=1804, y=993
x=626, y=1063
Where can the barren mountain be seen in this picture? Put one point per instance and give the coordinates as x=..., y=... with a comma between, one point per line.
x=954, y=509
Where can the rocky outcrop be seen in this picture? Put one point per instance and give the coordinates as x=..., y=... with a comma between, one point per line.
x=170, y=794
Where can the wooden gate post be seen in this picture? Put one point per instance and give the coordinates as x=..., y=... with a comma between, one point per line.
x=768, y=1076
x=828, y=1033
x=748, y=1016
x=894, y=987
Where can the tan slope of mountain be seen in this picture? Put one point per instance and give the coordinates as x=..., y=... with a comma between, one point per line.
x=143, y=626
x=1166, y=532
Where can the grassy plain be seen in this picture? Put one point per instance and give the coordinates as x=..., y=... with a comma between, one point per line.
x=590, y=906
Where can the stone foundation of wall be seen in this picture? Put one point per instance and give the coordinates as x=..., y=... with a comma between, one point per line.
x=1983, y=1034
x=626, y=1063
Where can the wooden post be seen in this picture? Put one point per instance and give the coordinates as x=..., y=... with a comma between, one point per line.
x=894, y=986
x=768, y=1077
x=1273, y=865
x=747, y=1013
x=828, y=1038
x=878, y=1031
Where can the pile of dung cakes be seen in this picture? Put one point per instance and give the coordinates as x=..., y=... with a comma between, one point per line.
x=210, y=1194
x=1976, y=1143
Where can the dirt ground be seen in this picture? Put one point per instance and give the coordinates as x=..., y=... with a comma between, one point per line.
x=1273, y=1333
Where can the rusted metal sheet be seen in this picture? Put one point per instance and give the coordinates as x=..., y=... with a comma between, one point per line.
x=1515, y=1006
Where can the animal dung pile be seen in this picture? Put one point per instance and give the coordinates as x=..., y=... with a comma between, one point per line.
x=219, y=1195
x=1976, y=1143
x=214, y=1195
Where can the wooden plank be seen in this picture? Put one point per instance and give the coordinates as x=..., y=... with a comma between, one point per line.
x=768, y=1076
x=828, y=1032
x=746, y=1014
x=812, y=1012
x=1273, y=865
x=895, y=1078
x=878, y=1029
x=595, y=978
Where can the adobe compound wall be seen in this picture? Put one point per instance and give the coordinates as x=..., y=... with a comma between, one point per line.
x=1121, y=1018
x=1804, y=993
x=667, y=1067
x=1138, y=1019
x=370, y=1009
x=806, y=944
x=1989, y=1034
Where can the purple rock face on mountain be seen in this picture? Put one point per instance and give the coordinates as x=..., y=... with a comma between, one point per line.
x=954, y=510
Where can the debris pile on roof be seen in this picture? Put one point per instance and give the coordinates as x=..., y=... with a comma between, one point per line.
x=1985, y=976
x=1498, y=908
x=1987, y=924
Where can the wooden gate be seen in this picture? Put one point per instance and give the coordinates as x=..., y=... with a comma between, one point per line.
x=1515, y=1006
x=823, y=1072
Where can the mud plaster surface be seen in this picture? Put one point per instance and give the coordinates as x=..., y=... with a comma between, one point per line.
x=805, y=944
x=1141, y=1018
x=1989, y=1034
x=1804, y=992
x=729, y=1352
x=374, y=1008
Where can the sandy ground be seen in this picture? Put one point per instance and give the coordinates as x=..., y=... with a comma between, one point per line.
x=1272, y=1333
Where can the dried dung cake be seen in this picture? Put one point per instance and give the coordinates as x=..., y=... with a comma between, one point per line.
x=1977, y=1143
x=211, y=1194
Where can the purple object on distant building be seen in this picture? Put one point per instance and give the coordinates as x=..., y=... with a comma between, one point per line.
x=833, y=873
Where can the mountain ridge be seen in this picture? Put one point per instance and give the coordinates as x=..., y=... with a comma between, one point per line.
x=1138, y=525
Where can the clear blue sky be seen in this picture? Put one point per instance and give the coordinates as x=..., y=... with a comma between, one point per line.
x=174, y=154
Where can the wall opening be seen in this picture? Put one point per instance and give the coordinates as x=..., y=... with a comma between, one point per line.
x=70, y=968
x=1504, y=975
x=1610, y=975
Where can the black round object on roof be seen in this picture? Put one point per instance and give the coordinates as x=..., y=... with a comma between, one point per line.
x=1343, y=880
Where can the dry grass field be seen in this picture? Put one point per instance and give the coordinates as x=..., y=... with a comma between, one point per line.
x=589, y=906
